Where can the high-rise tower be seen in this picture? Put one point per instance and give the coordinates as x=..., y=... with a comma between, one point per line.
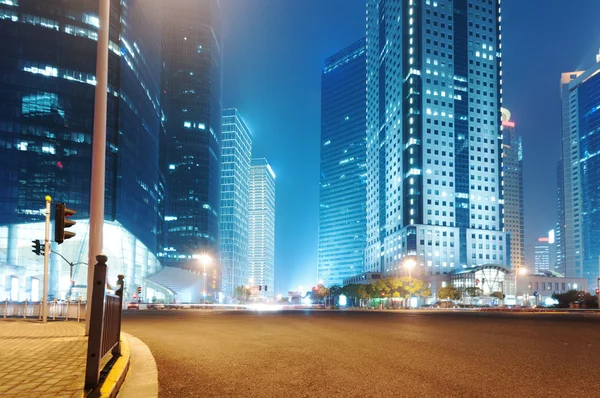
x=192, y=104
x=580, y=93
x=46, y=127
x=512, y=166
x=434, y=141
x=235, y=184
x=343, y=194
x=262, y=226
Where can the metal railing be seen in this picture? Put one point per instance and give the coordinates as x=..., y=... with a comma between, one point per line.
x=74, y=310
x=105, y=323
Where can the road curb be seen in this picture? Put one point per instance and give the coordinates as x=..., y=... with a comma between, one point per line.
x=142, y=379
x=109, y=387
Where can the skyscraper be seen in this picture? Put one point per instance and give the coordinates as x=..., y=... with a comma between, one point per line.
x=48, y=57
x=434, y=141
x=192, y=105
x=559, y=230
x=235, y=184
x=580, y=94
x=262, y=226
x=343, y=195
x=512, y=166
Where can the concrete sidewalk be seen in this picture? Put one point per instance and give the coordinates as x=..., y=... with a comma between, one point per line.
x=39, y=360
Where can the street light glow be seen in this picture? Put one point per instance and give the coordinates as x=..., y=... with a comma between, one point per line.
x=410, y=263
x=205, y=259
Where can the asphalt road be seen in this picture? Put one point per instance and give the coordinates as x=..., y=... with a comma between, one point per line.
x=370, y=354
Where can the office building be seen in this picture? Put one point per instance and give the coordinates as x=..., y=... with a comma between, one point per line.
x=512, y=166
x=193, y=117
x=48, y=66
x=236, y=148
x=580, y=94
x=434, y=143
x=261, y=227
x=541, y=256
x=343, y=194
x=559, y=229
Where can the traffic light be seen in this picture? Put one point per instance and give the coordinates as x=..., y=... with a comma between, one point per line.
x=260, y=288
x=265, y=288
x=597, y=291
x=62, y=221
x=139, y=290
x=38, y=248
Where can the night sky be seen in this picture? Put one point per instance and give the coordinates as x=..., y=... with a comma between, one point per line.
x=274, y=51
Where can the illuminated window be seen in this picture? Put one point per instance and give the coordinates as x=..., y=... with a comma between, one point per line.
x=91, y=19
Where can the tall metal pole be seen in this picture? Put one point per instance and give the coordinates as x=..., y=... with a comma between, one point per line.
x=44, y=303
x=204, y=291
x=517, y=270
x=98, y=151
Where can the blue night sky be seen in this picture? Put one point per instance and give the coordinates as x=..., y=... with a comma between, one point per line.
x=274, y=51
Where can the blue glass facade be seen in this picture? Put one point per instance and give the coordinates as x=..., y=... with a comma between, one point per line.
x=342, y=212
x=589, y=164
x=47, y=74
x=235, y=185
x=192, y=108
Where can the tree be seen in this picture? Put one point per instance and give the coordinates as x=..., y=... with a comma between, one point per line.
x=350, y=291
x=380, y=290
x=320, y=293
x=498, y=295
x=473, y=292
x=574, y=296
x=449, y=292
x=242, y=293
x=334, y=292
x=362, y=294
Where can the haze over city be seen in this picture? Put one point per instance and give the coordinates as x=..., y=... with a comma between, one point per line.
x=540, y=40
x=324, y=198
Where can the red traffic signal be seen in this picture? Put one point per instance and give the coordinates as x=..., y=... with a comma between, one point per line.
x=62, y=221
x=597, y=291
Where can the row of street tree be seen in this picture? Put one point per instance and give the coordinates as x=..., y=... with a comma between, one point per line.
x=390, y=292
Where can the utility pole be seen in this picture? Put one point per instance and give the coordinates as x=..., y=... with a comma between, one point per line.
x=98, y=152
x=46, y=260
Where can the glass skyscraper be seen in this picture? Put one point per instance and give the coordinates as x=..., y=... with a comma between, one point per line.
x=47, y=67
x=236, y=152
x=343, y=195
x=512, y=166
x=559, y=230
x=580, y=93
x=192, y=108
x=262, y=226
x=434, y=143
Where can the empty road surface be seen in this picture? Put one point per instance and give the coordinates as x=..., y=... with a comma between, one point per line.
x=370, y=354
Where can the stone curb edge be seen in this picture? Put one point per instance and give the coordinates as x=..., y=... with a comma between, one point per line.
x=116, y=376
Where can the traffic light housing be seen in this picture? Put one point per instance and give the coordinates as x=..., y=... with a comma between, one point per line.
x=62, y=221
x=265, y=288
x=37, y=247
x=260, y=288
x=139, y=290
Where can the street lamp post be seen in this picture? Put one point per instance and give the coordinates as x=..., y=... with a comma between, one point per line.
x=205, y=260
x=522, y=271
x=409, y=264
